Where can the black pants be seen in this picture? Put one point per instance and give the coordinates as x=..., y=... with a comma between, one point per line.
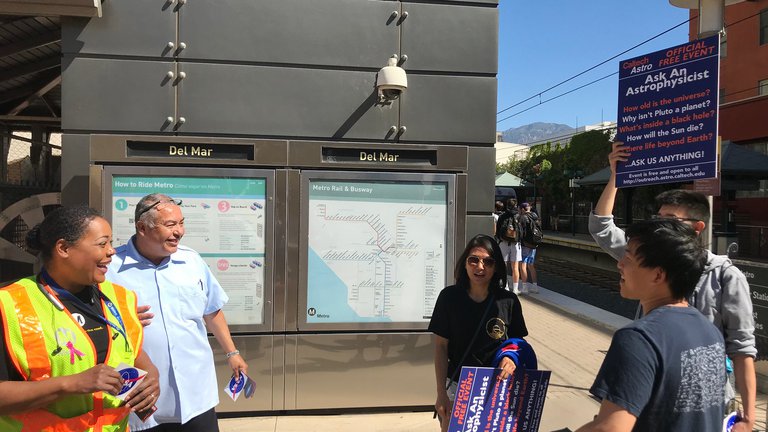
x=205, y=422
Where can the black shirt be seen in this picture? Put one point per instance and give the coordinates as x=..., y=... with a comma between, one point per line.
x=456, y=317
x=87, y=312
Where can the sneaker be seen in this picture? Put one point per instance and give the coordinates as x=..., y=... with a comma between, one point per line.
x=524, y=288
x=516, y=291
x=534, y=288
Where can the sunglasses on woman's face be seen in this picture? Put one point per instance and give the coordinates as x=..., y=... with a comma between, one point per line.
x=475, y=260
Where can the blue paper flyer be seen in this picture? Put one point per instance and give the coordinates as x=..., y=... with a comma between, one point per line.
x=668, y=114
x=485, y=403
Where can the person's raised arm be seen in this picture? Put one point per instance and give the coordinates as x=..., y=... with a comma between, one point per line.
x=604, y=206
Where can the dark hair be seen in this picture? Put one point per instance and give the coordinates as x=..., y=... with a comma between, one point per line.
x=672, y=246
x=146, y=208
x=487, y=243
x=695, y=204
x=511, y=204
x=64, y=223
x=499, y=206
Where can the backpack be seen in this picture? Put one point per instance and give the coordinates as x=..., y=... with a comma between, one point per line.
x=532, y=235
x=509, y=232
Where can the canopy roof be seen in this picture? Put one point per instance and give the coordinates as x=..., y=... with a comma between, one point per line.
x=510, y=180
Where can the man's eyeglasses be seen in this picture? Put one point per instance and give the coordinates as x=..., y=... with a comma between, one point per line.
x=168, y=201
x=681, y=219
x=475, y=260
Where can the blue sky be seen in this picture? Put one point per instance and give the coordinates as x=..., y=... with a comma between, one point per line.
x=543, y=42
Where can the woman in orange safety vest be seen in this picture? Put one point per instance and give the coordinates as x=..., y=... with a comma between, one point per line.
x=70, y=339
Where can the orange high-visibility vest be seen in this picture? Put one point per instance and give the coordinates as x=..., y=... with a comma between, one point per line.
x=31, y=323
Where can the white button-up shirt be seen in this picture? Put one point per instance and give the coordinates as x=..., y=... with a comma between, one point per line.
x=180, y=290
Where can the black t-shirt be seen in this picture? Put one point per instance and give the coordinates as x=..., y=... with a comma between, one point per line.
x=456, y=317
x=87, y=312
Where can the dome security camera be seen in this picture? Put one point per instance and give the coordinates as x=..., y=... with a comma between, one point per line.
x=391, y=81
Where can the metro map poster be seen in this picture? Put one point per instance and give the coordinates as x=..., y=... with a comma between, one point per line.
x=377, y=250
x=225, y=223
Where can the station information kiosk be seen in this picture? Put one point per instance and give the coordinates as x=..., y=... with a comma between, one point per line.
x=332, y=253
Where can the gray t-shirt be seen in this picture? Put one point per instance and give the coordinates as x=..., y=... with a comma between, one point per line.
x=668, y=370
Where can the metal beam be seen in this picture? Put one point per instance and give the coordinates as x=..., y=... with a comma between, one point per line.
x=30, y=43
x=40, y=92
x=30, y=68
x=85, y=8
x=54, y=112
x=17, y=93
x=29, y=119
x=28, y=140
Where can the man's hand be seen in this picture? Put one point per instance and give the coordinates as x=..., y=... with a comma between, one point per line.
x=742, y=426
x=620, y=152
x=604, y=206
x=145, y=317
x=238, y=364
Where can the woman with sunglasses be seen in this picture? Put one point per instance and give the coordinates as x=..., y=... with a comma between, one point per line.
x=67, y=331
x=472, y=319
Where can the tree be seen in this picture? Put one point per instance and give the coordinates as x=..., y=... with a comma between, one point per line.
x=546, y=164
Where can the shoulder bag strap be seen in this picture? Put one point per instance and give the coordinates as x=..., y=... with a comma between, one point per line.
x=471, y=342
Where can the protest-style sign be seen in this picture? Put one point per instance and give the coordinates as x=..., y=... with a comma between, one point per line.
x=668, y=114
x=485, y=403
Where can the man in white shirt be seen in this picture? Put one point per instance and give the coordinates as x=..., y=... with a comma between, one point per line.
x=186, y=300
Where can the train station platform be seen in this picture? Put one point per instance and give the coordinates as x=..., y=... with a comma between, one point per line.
x=570, y=338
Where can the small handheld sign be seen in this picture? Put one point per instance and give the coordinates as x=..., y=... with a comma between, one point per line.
x=236, y=386
x=730, y=421
x=132, y=377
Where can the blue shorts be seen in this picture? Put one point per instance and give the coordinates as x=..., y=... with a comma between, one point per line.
x=529, y=255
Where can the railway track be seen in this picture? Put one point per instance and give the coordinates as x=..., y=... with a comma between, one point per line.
x=595, y=286
x=600, y=278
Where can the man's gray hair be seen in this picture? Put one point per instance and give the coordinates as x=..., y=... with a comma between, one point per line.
x=146, y=208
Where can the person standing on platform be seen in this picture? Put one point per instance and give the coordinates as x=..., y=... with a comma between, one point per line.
x=506, y=234
x=722, y=291
x=64, y=332
x=553, y=218
x=666, y=371
x=472, y=319
x=186, y=299
x=497, y=211
x=531, y=236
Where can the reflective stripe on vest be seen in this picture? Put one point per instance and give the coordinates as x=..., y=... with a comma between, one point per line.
x=37, y=355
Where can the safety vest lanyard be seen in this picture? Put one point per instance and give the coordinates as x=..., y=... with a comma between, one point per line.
x=61, y=292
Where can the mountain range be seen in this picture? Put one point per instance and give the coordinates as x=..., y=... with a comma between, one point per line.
x=535, y=132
